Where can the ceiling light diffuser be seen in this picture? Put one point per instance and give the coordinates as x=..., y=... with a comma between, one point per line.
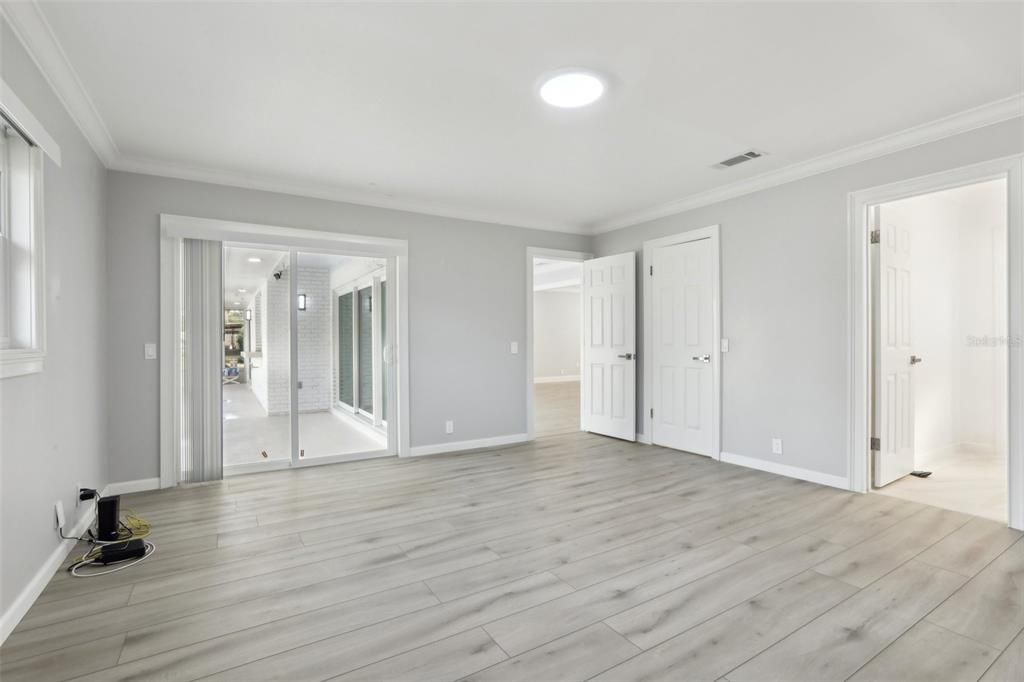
x=572, y=89
x=254, y=259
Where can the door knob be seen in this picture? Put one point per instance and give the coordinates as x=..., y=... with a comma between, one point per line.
x=702, y=358
x=626, y=356
x=914, y=359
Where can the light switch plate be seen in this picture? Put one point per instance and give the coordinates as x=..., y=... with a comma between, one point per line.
x=514, y=347
x=724, y=346
x=449, y=426
x=150, y=351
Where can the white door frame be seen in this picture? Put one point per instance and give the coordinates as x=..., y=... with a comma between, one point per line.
x=859, y=291
x=554, y=254
x=175, y=228
x=710, y=232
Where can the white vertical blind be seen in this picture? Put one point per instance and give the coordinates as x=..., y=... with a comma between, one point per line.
x=202, y=360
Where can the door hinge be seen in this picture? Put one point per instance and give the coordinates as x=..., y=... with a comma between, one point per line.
x=876, y=445
x=876, y=236
x=652, y=271
x=652, y=413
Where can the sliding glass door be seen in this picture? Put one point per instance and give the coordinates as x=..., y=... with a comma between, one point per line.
x=274, y=348
x=256, y=374
x=339, y=359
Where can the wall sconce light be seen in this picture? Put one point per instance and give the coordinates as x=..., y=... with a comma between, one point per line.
x=302, y=301
x=248, y=315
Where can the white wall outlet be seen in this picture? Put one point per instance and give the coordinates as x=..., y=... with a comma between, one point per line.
x=514, y=347
x=59, y=518
x=724, y=345
x=449, y=426
x=149, y=351
x=78, y=494
x=776, y=446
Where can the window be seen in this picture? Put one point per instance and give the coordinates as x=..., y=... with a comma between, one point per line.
x=360, y=342
x=345, y=388
x=21, y=283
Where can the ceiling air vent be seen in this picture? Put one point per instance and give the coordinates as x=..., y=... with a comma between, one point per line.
x=737, y=160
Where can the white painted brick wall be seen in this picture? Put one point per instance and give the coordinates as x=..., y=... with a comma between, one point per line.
x=315, y=371
x=275, y=345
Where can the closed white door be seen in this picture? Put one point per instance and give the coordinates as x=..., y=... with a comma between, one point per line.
x=609, y=346
x=683, y=346
x=894, y=361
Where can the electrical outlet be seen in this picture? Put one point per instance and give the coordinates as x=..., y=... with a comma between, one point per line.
x=449, y=426
x=776, y=446
x=78, y=495
x=58, y=510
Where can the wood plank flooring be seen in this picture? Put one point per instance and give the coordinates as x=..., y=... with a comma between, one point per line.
x=556, y=408
x=574, y=557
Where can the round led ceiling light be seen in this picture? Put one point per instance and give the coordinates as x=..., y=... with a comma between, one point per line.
x=572, y=89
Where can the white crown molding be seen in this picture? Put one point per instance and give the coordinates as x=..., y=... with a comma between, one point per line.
x=33, y=30
x=329, y=192
x=30, y=25
x=978, y=117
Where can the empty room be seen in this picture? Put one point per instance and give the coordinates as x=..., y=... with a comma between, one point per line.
x=511, y=341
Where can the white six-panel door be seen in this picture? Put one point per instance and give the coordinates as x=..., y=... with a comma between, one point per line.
x=894, y=375
x=608, y=381
x=683, y=346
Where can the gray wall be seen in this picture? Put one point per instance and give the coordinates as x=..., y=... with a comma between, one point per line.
x=467, y=301
x=784, y=297
x=53, y=432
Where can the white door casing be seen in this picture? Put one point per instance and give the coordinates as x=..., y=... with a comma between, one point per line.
x=608, y=382
x=684, y=356
x=894, y=367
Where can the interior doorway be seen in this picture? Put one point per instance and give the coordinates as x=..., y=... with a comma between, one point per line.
x=940, y=338
x=282, y=348
x=556, y=345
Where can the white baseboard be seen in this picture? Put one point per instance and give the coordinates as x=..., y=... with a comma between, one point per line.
x=126, y=487
x=27, y=597
x=458, y=446
x=557, y=379
x=840, y=482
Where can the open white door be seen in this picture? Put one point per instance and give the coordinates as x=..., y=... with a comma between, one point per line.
x=683, y=348
x=609, y=346
x=893, y=451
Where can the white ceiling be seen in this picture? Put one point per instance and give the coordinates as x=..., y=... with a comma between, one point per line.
x=432, y=106
x=239, y=273
x=551, y=275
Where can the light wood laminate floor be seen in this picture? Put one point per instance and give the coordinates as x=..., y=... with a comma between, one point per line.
x=964, y=479
x=574, y=557
x=556, y=408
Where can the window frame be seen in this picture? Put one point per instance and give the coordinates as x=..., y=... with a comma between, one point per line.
x=26, y=356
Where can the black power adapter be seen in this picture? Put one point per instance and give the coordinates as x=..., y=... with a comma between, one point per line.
x=121, y=551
